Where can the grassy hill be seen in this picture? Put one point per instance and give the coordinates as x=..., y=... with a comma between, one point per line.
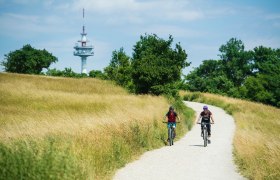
x=64, y=128
x=257, y=139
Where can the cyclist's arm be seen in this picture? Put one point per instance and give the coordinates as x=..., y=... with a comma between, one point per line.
x=211, y=117
x=198, y=119
x=178, y=117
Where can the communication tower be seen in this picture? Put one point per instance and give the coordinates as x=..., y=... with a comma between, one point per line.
x=82, y=49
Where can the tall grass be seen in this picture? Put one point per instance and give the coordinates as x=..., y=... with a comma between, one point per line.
x=256, y=140
x=64, y=128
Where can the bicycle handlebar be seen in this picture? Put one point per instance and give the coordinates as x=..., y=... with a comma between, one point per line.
x=205, y=123
x=171, y=122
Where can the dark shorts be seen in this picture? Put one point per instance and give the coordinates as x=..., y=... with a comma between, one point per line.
x=208, y=126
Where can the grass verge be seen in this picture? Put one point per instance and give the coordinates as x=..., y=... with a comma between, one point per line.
x=256, y=140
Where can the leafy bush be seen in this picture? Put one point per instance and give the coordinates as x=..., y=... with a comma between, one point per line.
x=67, y=72
x=97, y=74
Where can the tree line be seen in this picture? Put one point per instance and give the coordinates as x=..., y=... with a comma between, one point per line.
x=156, y=68
x=252, y=74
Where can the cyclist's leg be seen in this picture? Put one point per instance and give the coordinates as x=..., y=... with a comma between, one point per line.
x=209, y=129
x=174, y=125
x=201, y=129
x=168, y=126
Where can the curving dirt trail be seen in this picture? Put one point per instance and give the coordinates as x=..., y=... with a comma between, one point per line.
x=188, y=159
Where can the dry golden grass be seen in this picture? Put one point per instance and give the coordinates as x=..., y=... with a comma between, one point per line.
x=84, y=128
x=36, y=106
x=257, y=140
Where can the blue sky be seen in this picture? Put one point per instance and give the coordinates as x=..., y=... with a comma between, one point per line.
x=201, y=26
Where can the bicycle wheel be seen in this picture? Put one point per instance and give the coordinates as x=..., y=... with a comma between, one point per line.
x=205, y=136
x=170, y=136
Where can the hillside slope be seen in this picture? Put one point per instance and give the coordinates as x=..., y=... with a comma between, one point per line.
x=64, y=128
x=37, y=106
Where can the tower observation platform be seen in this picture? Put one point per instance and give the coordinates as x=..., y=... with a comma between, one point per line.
x=82, y=49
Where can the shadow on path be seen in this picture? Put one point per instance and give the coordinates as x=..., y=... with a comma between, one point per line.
x=197, y=145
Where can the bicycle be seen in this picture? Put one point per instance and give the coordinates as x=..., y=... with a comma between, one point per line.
x=205, y=133
x=171, y=134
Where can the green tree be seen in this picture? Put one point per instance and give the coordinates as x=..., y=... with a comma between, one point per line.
x=119, y=69
x=209, y=77
x=255, y=90
x=267, y=71
x=28, y=60
x=237, y=62
x=266, y=60
x=225, y=76
x=155, y=65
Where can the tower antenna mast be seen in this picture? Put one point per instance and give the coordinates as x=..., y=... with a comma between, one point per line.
x=83, y=20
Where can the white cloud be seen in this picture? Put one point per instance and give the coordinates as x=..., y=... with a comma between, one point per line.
x=23, y=26
x=23, y=2
x=184, y=15
x=255, y=42
x=17, y=25
x=138, y=12
x=22, y=17
x=273, y=16
x=104, y=7
x=55, y=45
x=276, y=24
x=48, y=3
x=220, y=12
x=166, y=30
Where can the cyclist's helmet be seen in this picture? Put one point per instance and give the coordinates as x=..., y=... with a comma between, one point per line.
x=171, y=108
x=205, y=107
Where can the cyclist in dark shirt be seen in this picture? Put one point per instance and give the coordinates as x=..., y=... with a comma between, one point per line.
x=171, y=117
x=206, y=116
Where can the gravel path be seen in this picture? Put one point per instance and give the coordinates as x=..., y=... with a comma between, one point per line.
x=188, y=159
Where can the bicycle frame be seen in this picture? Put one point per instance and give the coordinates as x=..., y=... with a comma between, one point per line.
x=205, y=133
x=171, y=133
